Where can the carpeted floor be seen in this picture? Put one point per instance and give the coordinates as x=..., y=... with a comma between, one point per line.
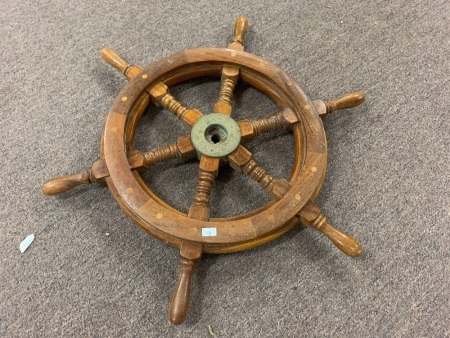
x=92, y=272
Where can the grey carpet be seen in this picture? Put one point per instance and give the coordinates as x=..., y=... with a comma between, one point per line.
x=92, y=272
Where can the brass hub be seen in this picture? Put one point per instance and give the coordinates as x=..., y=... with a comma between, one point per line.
x=215, y=135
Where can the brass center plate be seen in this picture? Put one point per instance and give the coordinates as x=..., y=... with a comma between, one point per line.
x=215, y=135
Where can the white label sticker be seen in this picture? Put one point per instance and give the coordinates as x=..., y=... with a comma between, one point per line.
x=209, y=232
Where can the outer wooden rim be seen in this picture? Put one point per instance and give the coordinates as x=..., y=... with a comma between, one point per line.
x=236, y=233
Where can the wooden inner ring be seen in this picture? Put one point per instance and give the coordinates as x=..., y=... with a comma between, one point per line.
x=236, y=233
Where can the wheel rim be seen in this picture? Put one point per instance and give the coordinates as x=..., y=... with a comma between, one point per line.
x=164, y=222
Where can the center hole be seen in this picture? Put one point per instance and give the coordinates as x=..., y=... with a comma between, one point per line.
x=215, y=138
x=216, y=134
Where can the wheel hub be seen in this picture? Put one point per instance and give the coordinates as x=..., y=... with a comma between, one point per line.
x=215, y=135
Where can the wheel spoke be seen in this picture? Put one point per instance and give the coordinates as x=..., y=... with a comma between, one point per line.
x=230, y=74
x=284, y=120
x=228, y=82
x=182, y=150
x=241, y=160
x=190, y=253
x=159, y=93
x=207, y=173
x=161, y=96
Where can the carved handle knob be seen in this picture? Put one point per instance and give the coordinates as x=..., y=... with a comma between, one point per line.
x=117, y=61
x=114, y=59
x=190, y=254
x=62, y=184
x=349, y=100
x=240, y=28
x=179, y=304
x=310, y=216
x=346, y=243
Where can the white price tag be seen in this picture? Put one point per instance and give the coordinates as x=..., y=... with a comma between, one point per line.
x=209, y=232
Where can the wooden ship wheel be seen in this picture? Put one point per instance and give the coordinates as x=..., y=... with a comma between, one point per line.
x=215, y=139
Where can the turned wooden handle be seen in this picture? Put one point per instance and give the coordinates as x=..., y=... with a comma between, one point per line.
x=347, y=101
x=117, y=61
x=190, y=254
x=62, y=184
x=114, y=59
x=346, y=243
x=311, y=216
x=179, y=304
x=240, y=28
